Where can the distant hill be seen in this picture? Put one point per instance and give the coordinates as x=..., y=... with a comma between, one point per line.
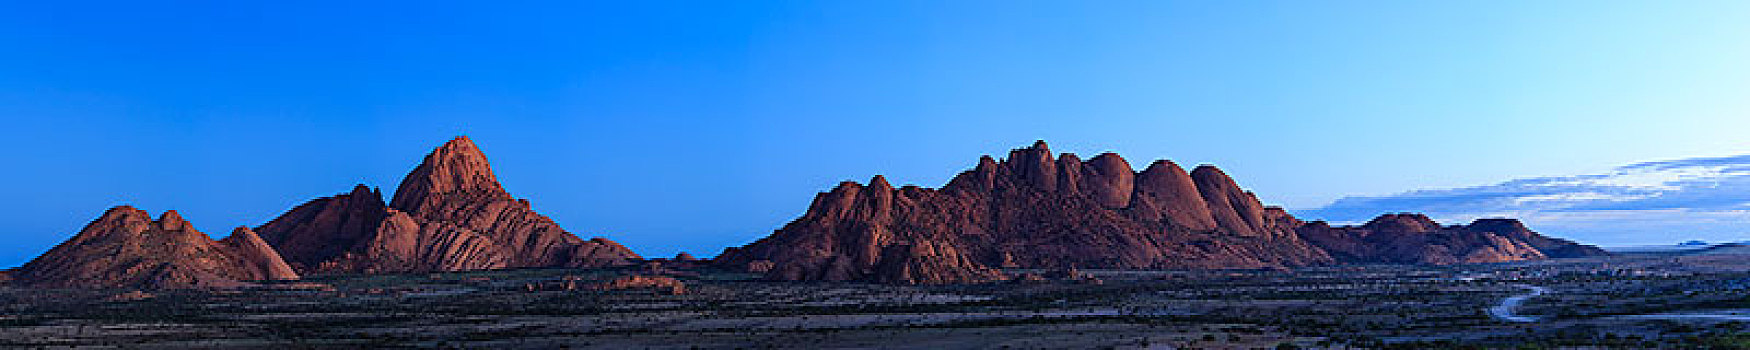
x=1702, y=198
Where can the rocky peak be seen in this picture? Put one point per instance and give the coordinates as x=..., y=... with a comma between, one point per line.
x=324, y=228
x=118, y=220
x=986, y=164
x=1164, y=191
x=242, y=234
x=837, y=202
x=124, y=213
x=455, y=171
x=1034, y=166
x=880, y=197
x=125, y=249
x=362, y=191
x=1402, y=222
x=1498, y=225
x=1109, y=180
x=1069, y=173
x=980, y=178
x=1234, y=209
x=879, y=183
x=171, y=221
x=1109, y=163
x=449, y=214
x=1211, y=175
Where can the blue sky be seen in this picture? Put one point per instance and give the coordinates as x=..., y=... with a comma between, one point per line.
x=692, y=126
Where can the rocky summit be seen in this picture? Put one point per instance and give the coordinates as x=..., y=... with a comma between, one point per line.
x=449, y=214
x=1033, y=210
x=125, y=248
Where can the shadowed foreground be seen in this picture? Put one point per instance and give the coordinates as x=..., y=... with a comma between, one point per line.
x=1592, y=301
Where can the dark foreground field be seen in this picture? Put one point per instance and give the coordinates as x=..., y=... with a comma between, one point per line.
x=1629, y=301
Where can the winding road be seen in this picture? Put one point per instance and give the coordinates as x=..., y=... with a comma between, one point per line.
x=1504, y=311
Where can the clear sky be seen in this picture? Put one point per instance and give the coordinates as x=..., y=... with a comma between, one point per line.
x=693, y=126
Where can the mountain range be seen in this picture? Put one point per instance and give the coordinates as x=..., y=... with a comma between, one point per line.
x=448, y=214
x=1030, y=210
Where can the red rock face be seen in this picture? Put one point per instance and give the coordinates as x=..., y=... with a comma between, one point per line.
x=1235, y=210
x=1415, y=239
x=125, y=248
x=453, y=178
x=1106, y=178
x=1029, y=211
x=449, y=214
x=257, y=252
x=322, y=230
x=1165, y=192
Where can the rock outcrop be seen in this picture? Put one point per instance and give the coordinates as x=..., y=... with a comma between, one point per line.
x=1031, y=210
x=659, y=284
x=449, y=214
x=322, y=230
x=1415, y=239
x=255, y=251
x=125, y=248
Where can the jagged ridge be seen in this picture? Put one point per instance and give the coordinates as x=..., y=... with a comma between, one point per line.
x=1035, y=211
x=1031, y=210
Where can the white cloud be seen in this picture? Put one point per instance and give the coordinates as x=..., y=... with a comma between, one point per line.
x=1647, y=203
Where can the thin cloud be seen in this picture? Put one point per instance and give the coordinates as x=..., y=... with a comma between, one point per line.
x=1644, y=203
